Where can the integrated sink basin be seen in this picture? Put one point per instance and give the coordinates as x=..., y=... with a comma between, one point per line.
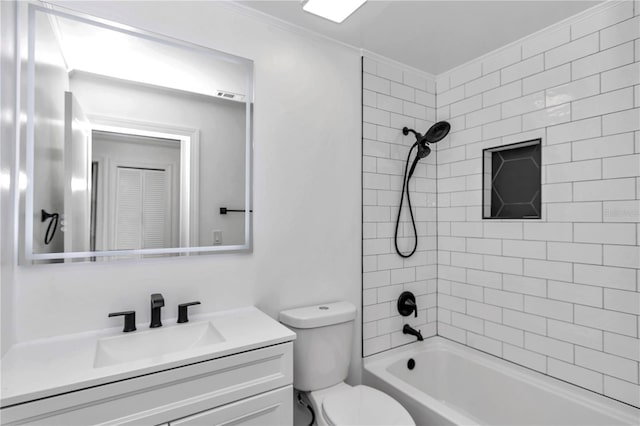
x=154, y=343
x=43, y=368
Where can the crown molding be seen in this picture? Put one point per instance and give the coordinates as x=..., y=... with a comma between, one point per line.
x=379, y=58
x=280, y=23
x=297, y=29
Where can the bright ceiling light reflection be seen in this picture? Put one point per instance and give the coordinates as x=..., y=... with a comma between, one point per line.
x=22, y=181
x=109, y=52
x=5, y=181
x=334, y=10
x=78, y=184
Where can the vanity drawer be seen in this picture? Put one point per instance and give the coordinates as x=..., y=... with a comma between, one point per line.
x=164, y=396
x=271, y=408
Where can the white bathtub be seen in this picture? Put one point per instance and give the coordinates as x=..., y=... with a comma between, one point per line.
x=454, y=384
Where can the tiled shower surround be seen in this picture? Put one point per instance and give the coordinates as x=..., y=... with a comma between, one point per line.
x=392, y=99
x=559, y=294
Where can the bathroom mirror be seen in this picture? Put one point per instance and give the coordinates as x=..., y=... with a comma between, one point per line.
x=135, y=144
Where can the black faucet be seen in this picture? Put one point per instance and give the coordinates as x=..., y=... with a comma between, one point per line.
x=157, y=302
x=407, y=329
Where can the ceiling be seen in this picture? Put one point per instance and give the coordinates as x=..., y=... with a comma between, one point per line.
x=433, y=36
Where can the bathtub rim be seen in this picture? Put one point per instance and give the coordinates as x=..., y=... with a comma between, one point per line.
x=378, y=364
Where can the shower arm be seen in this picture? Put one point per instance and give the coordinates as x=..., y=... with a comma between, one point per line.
x=406, y=130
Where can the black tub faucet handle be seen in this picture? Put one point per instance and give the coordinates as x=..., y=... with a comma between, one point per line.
x=407, y=304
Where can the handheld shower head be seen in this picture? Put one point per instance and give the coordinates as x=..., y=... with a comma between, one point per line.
x=421, y=143
x=436, y=133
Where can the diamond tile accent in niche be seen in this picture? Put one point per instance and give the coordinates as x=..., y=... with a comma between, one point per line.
x=514, y=181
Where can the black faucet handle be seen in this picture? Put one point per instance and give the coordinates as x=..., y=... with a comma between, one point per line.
x=183, y=315
x=129, y=320
x=157, y=301
x=411, y=304
x=407, y=304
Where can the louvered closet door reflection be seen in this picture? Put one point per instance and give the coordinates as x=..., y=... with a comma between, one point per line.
x=155, y=232
x=141, y=209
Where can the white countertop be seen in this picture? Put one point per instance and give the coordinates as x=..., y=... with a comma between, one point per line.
x=47, y=367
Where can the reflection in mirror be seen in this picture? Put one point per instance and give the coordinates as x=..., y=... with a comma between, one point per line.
x=135, y=142
x=138, y=180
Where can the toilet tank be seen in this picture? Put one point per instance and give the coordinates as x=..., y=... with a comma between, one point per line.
x=322, y=349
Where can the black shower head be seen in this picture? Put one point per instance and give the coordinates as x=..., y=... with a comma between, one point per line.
x=437, y=132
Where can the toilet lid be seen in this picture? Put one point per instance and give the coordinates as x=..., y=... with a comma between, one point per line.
x=362, y=405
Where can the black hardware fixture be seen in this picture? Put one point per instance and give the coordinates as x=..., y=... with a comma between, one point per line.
x=224, y=210
x=53, y=225
x=436, y=133
x=157, y=302
x=407, y=304
x=129, y=320
x=183, y=315
x=411, y=364
x=407, y=329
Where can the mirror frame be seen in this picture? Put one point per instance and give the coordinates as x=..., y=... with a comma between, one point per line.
x=27, y=168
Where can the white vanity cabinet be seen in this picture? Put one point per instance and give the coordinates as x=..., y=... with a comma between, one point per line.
x=248, y=388
x=270, y=408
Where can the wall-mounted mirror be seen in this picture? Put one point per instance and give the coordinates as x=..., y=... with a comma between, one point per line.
x=136, y=144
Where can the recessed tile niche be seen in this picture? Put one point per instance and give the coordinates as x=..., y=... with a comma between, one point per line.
x=511, y=181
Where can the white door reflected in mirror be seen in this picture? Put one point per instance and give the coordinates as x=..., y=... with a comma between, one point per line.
x=133, y=141
x=136, y=199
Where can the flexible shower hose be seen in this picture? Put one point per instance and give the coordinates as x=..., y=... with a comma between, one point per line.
x=405, y=184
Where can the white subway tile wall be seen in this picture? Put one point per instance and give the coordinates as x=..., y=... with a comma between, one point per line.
x=394, y=97
x=560, y=295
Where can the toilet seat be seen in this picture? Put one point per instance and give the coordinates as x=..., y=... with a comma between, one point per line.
x=362, y=405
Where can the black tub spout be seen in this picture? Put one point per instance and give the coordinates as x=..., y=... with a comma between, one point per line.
x=407, y=329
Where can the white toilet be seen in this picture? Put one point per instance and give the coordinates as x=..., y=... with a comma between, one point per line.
x=321, y=357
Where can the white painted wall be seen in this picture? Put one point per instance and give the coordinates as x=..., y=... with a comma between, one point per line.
x=559, y=295
x=306, y=189
x=221, y=125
